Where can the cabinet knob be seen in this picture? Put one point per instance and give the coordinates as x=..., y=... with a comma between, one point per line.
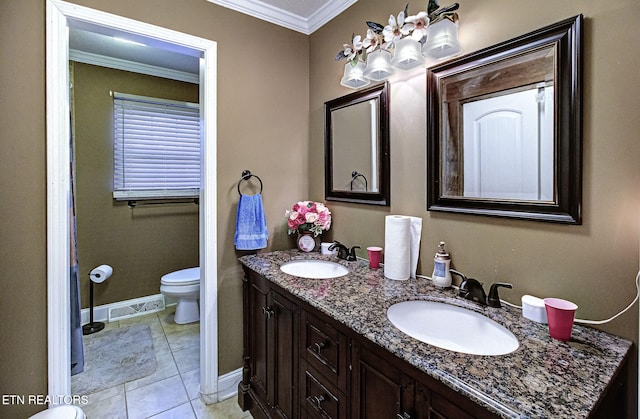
x=316, y=400
x=404, y=415
x=267, y=312
x=318, y=347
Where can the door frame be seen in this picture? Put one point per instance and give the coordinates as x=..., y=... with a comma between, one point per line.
x=58, y=16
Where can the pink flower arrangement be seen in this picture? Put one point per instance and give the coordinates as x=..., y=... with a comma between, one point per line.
x=308, y=216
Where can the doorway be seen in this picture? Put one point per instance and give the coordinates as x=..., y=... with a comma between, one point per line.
x=59, y=16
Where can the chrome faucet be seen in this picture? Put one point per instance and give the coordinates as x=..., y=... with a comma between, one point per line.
x=344, y=252
x=472, y=289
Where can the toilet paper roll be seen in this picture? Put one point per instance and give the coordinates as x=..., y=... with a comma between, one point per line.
x=101, y=273
x=397, y=247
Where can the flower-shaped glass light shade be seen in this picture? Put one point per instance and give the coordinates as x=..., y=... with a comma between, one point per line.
x=353, y=76
x=442, y=41
x=378, y=65
x=408, y=54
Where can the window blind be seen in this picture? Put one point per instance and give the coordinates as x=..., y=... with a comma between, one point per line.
x=156, y=148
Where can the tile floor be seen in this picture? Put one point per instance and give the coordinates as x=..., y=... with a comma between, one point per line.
x=170, y=392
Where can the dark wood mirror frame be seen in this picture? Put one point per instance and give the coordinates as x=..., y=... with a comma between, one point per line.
x=566, y=38
x=382, y=196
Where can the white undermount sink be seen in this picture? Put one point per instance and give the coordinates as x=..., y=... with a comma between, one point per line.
x=451, y=327
x=314, y=269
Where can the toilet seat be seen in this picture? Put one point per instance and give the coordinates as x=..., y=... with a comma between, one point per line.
x=189, y=276
x=60, y=412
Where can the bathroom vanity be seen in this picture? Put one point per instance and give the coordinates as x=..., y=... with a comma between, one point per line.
x=325, y=349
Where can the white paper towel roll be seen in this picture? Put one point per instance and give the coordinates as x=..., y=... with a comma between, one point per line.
x=397, y=247
x=101, y=273
x=416, y=233
x=401, y=246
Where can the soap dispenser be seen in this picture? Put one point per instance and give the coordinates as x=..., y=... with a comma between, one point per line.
x=441, y=275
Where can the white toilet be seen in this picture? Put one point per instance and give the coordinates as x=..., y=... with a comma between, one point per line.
x=61, y=412
x=185, y=286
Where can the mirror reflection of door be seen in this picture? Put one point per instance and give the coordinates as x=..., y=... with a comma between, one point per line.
x=355, y=146
x=504, y=136
x=508, y=146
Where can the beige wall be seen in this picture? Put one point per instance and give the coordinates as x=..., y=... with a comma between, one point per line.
x=594, y=264
x=141, y=244
x=259, y=66
x=23, y=268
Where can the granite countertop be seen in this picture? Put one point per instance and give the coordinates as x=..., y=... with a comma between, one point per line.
x=542, y=378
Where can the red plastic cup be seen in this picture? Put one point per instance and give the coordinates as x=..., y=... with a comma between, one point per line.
x=560, y=314
x=375, y=254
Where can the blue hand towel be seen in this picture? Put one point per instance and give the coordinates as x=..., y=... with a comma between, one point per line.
x=251, y=224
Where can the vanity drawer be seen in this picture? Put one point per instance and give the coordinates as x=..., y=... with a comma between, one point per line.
x=320, y=399
x=325, y=349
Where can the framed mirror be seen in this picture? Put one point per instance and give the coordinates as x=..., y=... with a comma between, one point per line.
x=504, y=128
x=356, y=147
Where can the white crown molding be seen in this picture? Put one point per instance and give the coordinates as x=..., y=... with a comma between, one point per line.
x=287, y=19
x=132, y=66
x=326, y=13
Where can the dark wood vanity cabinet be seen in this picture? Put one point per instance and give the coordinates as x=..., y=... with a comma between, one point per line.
x=271, y=323
x=379, y=389
x=383, y=386
x=300, y=362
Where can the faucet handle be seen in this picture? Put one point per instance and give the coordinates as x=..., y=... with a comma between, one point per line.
x=334, y=245
x=352, y=253
x=460, y=274
x=493, y=300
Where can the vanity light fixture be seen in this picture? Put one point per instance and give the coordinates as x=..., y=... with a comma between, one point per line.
x=354, y=76
x=379, y=66
x=408, y=54
x=442, y=41
x=401, y=45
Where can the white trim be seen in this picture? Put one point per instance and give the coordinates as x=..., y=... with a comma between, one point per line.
x=58, y=186
x=131, y=66
x=208, y=230
x=277, y=16
x=228, y=384
x=327, y=13
x=58, y=196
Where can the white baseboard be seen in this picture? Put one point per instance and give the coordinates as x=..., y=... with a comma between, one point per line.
x=227, y=387
x=101, y=313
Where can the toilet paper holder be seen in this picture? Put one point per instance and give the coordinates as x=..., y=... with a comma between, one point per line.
x=99, y=274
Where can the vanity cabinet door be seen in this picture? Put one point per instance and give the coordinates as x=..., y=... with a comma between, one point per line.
x=431, y=405
x=258, y=304
x=379, y=390
x=272, y=351
x=283, y=366
x=382, y=387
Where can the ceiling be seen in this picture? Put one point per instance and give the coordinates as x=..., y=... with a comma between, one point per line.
x=94, y=44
